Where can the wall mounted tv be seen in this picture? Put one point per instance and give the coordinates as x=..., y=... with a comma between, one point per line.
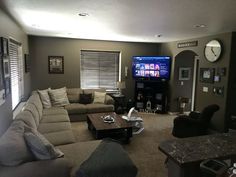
x=151, y=67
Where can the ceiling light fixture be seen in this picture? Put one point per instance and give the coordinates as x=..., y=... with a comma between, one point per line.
x=35, y=26
x=158, y=35
x=83, y=14
x=200, y=26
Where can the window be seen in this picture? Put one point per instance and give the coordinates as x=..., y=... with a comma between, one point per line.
x=15, y=52
x=99, y=69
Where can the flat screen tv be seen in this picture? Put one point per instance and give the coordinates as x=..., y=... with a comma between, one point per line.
x=151, y=67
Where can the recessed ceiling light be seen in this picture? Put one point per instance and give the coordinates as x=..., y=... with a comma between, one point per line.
x=158, y=35
x=83, y=14
x=200, y=26
x=35, y=26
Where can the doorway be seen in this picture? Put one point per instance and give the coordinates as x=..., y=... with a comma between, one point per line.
x=185, y=77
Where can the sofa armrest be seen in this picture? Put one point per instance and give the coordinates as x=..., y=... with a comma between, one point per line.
x=109, y=100
x=45, y=168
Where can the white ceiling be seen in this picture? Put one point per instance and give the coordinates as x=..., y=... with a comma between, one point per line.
x=124, y=20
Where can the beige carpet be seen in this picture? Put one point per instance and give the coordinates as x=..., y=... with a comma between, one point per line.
x=143, y=148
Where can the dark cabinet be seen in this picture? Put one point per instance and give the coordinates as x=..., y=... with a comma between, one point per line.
x=151, y=95
x=119, y=103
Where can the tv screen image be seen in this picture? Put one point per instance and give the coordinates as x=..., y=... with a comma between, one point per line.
x=153, y=67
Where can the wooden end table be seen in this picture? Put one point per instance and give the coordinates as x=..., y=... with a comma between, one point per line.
x=120, y=129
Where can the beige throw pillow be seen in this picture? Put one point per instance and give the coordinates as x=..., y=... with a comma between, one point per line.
x=59, y=97
x=45, y=98
x=99, y=97
x=40, y=146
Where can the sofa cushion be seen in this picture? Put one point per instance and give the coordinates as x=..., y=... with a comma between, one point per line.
x=99, y=97
x=86, y=98
x=33, y=110
x=40, y=146
x=73, y=94
x=60, y=167
x=36, y=101
x=54, y=111
x=13, y=149
x=54, y=127
x=79, y=152
x=58, y=97
x=76, y=108
x=44, y=96
x=55, y=118
x=60, y=138
x=96, y=108
x=27, y=118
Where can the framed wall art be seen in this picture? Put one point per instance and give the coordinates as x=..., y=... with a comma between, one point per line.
x=2, y=88
x=6, y=67
x=55, y=64
x=27, y=63
x=7, y=86
x=184, y=73
x=207, y=75
x=4, y=46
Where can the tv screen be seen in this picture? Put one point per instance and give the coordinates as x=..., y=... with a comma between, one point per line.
x=152, y=67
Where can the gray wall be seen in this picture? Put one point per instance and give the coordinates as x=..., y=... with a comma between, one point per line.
x=203, y=99
x=42, y=47
x=9, y=28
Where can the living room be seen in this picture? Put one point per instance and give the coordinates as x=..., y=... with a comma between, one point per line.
x=40, y=47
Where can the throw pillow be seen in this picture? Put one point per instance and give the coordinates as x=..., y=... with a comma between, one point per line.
x=45, y=98
x=99, y=97
x=59, y=97
x=13, y=149
x=85, y=98
x=40, y=146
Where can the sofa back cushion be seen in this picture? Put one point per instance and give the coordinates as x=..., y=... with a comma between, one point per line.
x=13, y=149
x=27, y=118
x=35, y=100
x=58, y=97
x=73, y=94
x=33, y=110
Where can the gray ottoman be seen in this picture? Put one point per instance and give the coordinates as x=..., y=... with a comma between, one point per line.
x=108, y=160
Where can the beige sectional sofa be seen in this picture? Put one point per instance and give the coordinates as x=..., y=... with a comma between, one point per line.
x=78, y=111
x=54, y=124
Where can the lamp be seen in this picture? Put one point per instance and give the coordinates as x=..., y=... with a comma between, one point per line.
x=120, y=86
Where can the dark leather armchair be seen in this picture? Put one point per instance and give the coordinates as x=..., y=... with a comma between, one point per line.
x=194, y=124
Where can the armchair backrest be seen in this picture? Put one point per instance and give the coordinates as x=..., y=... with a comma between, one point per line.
x=208, y=112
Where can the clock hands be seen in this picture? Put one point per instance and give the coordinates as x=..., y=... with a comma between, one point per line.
x=213, y=51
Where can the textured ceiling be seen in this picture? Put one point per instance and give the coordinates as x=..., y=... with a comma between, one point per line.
x=124, y=20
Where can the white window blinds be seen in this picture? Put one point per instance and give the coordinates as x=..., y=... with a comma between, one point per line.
x=99, y=69
x=15, y=52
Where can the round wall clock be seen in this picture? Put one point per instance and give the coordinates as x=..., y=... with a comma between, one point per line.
x=213, y=50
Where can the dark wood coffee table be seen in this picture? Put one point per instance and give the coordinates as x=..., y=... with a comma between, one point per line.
x=120, y=129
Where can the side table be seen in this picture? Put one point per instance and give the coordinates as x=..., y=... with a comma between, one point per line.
x=119, y=103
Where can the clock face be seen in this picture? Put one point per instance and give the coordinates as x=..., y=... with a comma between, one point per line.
x=213, y=50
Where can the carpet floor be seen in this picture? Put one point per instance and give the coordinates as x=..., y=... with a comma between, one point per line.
x=143, y=148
